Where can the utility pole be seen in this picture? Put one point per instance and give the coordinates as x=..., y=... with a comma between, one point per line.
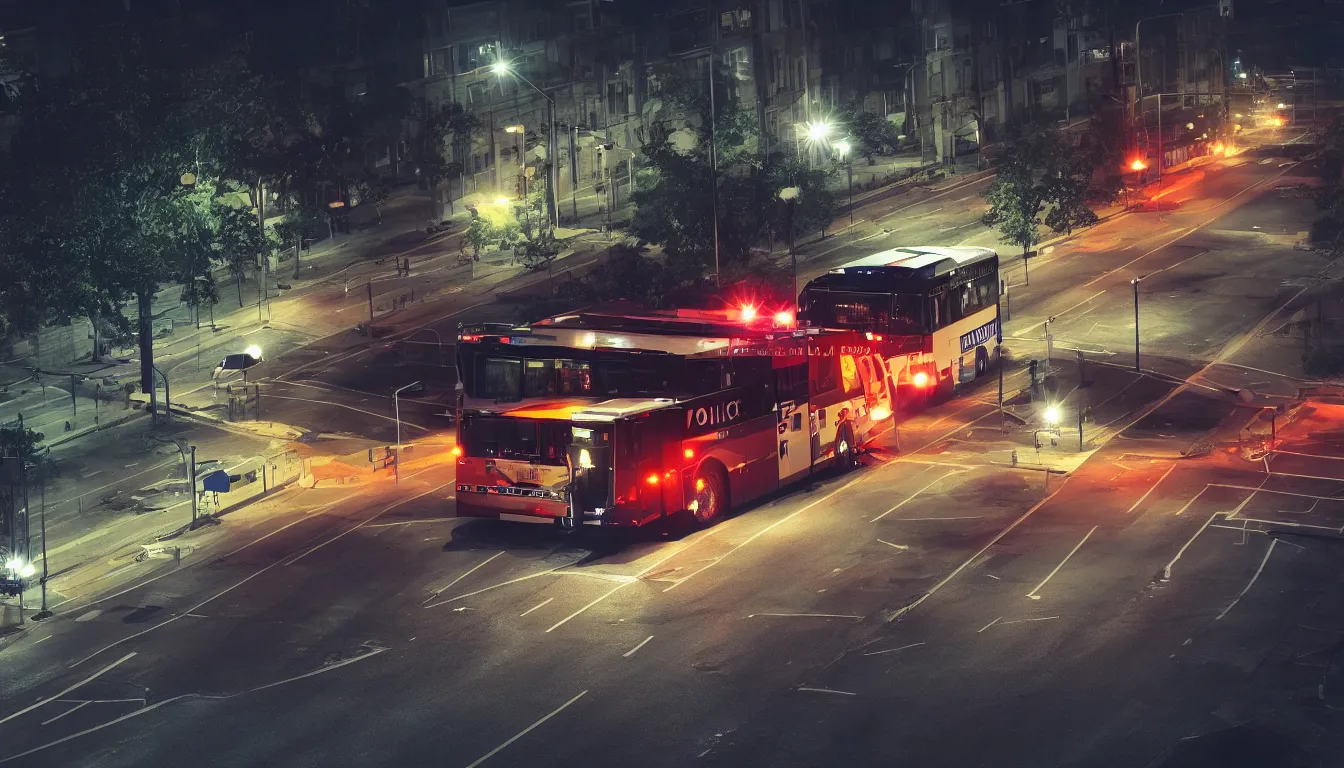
x=74, y=406
x=396, y=408
x=714, y=162
x=193, y=497
x=1135, y=283
x=261, y=227
x=369, y=285
x=42, y=480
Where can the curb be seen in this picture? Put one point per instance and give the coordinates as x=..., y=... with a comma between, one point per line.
x=70, y=436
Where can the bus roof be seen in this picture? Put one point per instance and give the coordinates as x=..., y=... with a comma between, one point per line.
x=621, y=407
x=681, y=332
x=904, y=261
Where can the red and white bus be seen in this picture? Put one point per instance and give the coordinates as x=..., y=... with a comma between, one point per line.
x=933, y=311
x=619, y=419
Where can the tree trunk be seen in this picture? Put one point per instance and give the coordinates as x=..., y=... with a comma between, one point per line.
x=238, y=277
x=144, y=305
x=97, y=357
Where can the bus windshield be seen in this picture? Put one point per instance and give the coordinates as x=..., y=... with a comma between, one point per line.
x=900, y=314
x=498, y=437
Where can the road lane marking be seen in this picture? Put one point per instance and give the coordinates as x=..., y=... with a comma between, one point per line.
x=631, y=652
x=1018, y=333
x=1032, y=594
x=826, y=690
x=528, y=577
x=1027, y=621
x=1166, y=572
x=69, y=711
x=469, y=571
x=891, y=650
x=1150, y=490
x=351, y=530
x=404, y=422
x=1251, y=583
x=1310, y=455
x=1256, y=490
x=1192, y=500
x=526, y=731
x=85, y=681
x=415, y=522
x=152, y=707
x=535, y=607
x=902, y=547
x=767, y=529
x=604, y=596
x=997, y=538
x=922, y=519
x=912, y=496
x=990, y=624
x=810, y=615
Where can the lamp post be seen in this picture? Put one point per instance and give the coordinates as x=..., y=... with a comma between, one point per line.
x=502, y=68
x=842, y=147
x=396, y=408
x=521, y=145
x=790, y=196
x=1138, y=89
x=1135, y=283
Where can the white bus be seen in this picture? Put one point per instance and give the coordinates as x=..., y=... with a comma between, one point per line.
x=934, y=310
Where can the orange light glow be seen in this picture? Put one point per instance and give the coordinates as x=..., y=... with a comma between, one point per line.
x=784, y=318
x=651, y=479
x=700, y=484
x=457, y=451
x=872, y=336
x=1218, y=148
x=1278, y=122
x=688, y=453
x=921, y=379
x=1137, y=164
x=748, y=313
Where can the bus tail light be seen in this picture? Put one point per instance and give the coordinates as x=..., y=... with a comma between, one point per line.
x=784, y=319
x=585, y=459
x=688, y=453
x=920, y=379
x=699, y=484
x=651, y=479
x=457, y=451
x=748, y=313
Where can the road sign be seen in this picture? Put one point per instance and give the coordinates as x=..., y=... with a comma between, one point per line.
x=217, y=481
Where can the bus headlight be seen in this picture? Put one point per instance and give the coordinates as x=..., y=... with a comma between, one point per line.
x=920, y=379
x=585, y=459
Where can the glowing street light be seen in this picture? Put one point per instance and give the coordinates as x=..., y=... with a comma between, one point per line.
x=502, y=201
x=1137, y=164
x=1282, y=105
x=1052, y=415
x=254, y=351
x=842, y=148
x=500, y=67
x=1242, y=75
x=513, y=129
x=818, y=131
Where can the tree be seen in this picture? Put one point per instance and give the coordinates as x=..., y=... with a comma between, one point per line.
x=1040, y=168
x=372, y=189
x=303, y=223
x=237, y=242
x=539, y=253
x=447, y=134
x=872, y=134
x=674, y=187
x=479, y=234
x=816, y=204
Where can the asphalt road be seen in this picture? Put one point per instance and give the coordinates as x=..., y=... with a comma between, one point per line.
x=938, y=607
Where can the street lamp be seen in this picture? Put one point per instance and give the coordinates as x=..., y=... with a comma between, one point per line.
x=1135, y=283
x=842, y=148
x=396, y=407
x=790, y=196
x=1052, y=415
x=503, y=67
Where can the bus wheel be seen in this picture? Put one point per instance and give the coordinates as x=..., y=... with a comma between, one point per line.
x=981, y=362
x=846, y=451
x=711, y=495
